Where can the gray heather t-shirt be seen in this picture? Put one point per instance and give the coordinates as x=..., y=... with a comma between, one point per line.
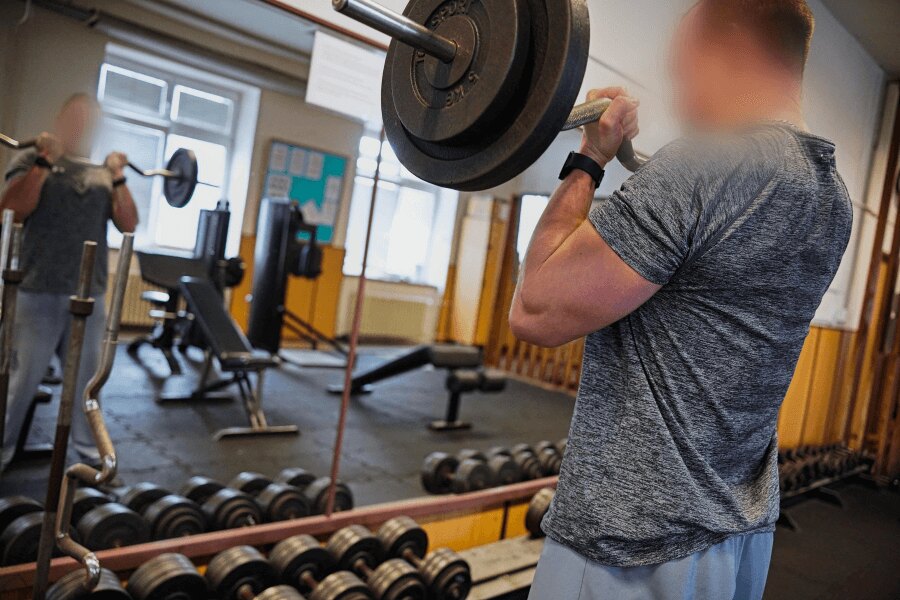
x=75, y=206
x=672, y=447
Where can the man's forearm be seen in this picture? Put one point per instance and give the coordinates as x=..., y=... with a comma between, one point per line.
x=24, y=192
x=124, y=210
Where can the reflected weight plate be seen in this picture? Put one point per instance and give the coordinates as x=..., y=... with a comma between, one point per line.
x=497, y=149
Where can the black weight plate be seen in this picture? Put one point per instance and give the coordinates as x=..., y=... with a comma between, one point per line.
x=228, y=509
x=141, y=495
x=352, y=544
x=447, y=575
x=199, y=488
x=470, y=453
x=550, y=461
x=280, y=592
x=543, y=445
x=20, y=540
x=547, y=91
x=455, y=102
x=537, y=508
x=237, y=567
x=400, y=534
x=518, y=448
x=396, y=579
x=342, y=585
x=70, y=587
x=472, y=476
x=529, y=463
x=317, y=494
x=112, y=526
x=296, y=477
x=437, y=472
x=13, y=507
x=506, y=470
x=85, y=500
x=167, y=577
x=299, y=555
x=280, y=502
x=249, y=482
x=499, y=451
x=173, y=517
x=178, y=190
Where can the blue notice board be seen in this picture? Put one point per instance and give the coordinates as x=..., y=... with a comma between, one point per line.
x=311, y=178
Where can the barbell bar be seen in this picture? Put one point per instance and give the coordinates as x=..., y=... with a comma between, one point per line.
x=180, y=173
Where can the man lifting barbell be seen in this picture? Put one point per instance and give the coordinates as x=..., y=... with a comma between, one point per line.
x=696, y=298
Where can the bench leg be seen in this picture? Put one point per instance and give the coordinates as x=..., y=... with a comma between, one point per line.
x=253, y=405
x=451, y=422
x=202, y=392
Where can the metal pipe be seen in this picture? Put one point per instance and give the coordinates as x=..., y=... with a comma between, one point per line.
x=15, y=144
x=9, y=220
x=92, y=410
x=591, y=111
x=397, y=26
x=12, y=276
x=81, y=306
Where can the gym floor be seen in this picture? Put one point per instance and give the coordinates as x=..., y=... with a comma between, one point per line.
x=850, y=553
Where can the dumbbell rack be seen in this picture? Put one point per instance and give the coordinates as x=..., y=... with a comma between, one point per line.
x=819, y=489
x=16, y=581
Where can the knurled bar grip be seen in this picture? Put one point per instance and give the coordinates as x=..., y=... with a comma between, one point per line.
x=91, y=404
x=592, y=111
x=81, y=306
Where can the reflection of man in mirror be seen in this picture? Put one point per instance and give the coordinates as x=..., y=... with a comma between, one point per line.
x=62, y=203
x=695, y=285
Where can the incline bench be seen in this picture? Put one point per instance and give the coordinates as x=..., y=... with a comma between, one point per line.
x=227, y=344
x=465, y=373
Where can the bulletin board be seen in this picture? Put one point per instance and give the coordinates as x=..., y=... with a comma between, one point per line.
x=312, y=178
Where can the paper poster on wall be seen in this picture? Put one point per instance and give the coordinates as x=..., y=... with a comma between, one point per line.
x=311, y=178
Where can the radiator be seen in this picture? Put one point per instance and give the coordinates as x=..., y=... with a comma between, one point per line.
x=135, y=312
x=395, y=317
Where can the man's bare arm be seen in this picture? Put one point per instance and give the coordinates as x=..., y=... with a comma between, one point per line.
x=23, y=192
x=124, y=210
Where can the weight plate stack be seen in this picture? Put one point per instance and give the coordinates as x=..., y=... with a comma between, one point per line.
x=280, y=592
x=447, y=575
x=13, y=507
x=355, y=543
x=471, y=476
x=112, y=526
x=295, y=476
x=462, y=124
x=179, y=190
x=437, y=472
x=401, y=534
x=506, y=471
x=199, y=488
x=317, y=494
x=85, y=500
x=396, y=579
x=342, y=585
x=249, y=482
x=239, y=567
x=301, y=555
x=281, y=502
x=167, y=577
x=229, y=509
x=139, y=496
x=537, y=508
x=71, y=587
x=174, y=516
x=21, y=538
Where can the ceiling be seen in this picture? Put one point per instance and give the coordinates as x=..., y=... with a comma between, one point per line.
x=876, y=24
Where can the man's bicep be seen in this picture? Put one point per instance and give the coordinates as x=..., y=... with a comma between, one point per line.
x=595, y=286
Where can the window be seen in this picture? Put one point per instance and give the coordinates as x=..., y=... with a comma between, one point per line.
x=532, y=207
x=151, y=108
x=412, y=230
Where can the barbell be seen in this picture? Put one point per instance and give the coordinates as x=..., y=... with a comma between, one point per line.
x=179, y=175
x=475, y=91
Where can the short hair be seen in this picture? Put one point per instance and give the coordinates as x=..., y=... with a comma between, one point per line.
x=785, y=27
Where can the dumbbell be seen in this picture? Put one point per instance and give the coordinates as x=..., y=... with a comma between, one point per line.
x=280, y=592
x=537, y=508
x=71, y=587
x=549, y=457
x=527, y=460
x=446, y=573
x=224, y=507
x=358, y=550
x=103, y=524
x=167, y=577
x=499, y=460
x=316, y=489
x=443, y=473
x=169, y=515
x=278, y=501
x=240, y=573
x=20, y=529
x=306, y=565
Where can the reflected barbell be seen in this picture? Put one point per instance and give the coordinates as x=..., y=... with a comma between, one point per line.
x=179, y=175
x=473, y=93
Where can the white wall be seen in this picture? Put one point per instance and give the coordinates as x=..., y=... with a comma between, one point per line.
x=842, y=96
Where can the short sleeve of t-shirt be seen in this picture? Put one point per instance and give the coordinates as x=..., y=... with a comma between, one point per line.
x=20, y=164
x=679, y=201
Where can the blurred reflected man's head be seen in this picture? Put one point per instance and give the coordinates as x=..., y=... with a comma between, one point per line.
x=734, y=58
x=77, y=122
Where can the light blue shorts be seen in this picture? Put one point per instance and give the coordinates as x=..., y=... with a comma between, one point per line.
x=736, y=569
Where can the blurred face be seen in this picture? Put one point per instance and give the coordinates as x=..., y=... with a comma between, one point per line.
x=76, y=126
x=703, y=74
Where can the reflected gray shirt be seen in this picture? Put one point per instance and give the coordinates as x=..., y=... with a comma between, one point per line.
x=672, y=447
x=75, y=206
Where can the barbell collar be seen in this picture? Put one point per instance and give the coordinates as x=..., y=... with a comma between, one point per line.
x=592, y=111
x=398, y=27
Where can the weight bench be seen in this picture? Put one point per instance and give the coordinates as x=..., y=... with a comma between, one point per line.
x=465, y=374
x=228, y=345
